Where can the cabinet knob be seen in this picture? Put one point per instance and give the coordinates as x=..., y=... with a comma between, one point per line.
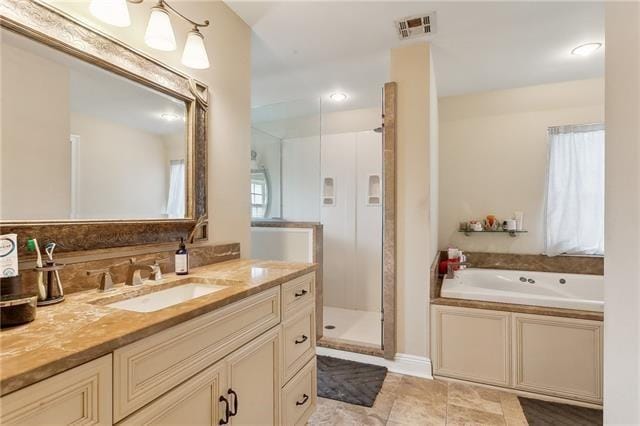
x=301, y=340
x=301, y=293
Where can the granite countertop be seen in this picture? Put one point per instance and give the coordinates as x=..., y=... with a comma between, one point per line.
x=81, y=328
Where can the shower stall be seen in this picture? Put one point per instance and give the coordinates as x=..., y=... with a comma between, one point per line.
x=315, y=162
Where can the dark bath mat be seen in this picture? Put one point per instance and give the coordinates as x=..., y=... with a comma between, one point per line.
x=349, y=381
x=545, y=413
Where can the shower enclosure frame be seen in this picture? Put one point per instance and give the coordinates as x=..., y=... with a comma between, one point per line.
x=389, y=215
x=388, y=309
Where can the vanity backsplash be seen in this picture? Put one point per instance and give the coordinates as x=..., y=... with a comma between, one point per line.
x=74, y=275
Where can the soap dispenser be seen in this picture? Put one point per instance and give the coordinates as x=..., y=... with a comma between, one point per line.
x=182, y=259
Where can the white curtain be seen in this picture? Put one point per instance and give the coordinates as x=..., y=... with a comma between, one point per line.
x=575, y=190
x=175, y=199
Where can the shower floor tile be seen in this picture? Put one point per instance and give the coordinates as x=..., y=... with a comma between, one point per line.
x=351, y=325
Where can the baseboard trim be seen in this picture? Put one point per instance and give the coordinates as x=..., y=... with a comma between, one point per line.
x=410, y=365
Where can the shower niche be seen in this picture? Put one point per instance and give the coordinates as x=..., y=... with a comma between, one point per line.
x=328, y=191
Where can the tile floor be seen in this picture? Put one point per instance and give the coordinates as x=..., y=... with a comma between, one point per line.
x=405, y=400
x=353, y=326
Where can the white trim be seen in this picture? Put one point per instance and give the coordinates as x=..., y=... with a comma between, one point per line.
x=410, y=365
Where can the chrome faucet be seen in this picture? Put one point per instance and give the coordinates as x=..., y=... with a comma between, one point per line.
x=133, y=274
x=454, y=266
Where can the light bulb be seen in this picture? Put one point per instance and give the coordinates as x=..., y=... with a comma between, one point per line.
x=159, y=33
x=195, y=54
x=112, y=12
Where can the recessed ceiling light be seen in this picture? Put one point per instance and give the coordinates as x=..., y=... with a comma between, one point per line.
x=170, y=116
x=338, y=97
x=586, y=49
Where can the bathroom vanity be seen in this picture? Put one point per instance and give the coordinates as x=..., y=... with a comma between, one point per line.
x=242, y=354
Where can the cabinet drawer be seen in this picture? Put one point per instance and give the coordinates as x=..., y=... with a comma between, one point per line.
x=299, y=333
x=299, y=396
x=150, y=367
x=81, y=395
x=297, y=293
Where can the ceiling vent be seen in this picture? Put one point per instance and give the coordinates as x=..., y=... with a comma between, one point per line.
x=416, y=26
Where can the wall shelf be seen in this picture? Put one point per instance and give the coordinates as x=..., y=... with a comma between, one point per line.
x=511, y=233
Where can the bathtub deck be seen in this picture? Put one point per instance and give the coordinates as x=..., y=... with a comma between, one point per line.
x=525, y=309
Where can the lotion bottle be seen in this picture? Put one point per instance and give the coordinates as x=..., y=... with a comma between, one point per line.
x=182, y=259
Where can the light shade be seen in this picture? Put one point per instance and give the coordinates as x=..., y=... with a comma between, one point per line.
x=195, y=54
x=159, y=33
x=586, y=49
x=112, y=12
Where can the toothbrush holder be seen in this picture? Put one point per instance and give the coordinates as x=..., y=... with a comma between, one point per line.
x=52, y=284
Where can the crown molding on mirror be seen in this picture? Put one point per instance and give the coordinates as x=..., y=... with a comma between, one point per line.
x=46, y=24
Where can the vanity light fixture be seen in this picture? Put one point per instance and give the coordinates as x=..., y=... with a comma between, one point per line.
x=586, y=49
x=159, y=34
x=338, y=97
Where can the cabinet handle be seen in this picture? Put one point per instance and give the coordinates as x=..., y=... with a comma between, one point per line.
x=302, y=293
x=235, y=402
x=304, y=339
x=305, y=398
x=226, y=411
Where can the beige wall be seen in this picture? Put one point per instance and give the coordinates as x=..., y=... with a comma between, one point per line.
x=36, y=156
x=622, y=216
x=411, y=69
x=228, y=43
x=434, y=161
x=122, y=172
x=493, y=157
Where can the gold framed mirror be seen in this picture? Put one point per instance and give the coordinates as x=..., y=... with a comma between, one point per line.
x=139, y=175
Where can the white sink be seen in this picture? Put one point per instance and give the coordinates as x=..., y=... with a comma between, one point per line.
x=164, y=298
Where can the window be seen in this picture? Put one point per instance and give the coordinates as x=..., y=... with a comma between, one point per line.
x=175, y=200
x=259, y=194
x=575, y=190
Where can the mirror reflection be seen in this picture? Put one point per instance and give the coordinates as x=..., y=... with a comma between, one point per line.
x=79, y=142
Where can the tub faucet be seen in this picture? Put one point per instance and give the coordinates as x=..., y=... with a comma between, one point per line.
x=454, y=266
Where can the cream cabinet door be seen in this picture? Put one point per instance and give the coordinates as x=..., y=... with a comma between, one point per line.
x=471, y=344
x=79, y=396
x=253, y=373
x=558, y=356
x=198, y=401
